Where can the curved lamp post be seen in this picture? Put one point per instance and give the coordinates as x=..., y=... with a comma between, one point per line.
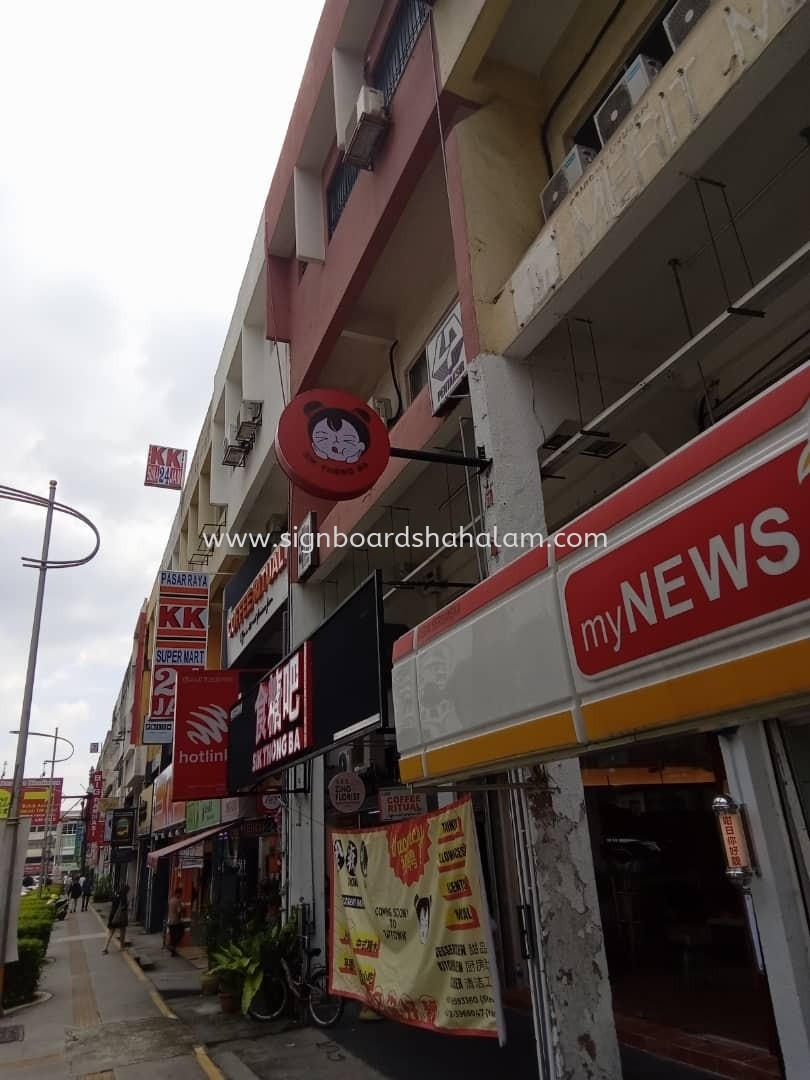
x=43, y=564
x=46, y=836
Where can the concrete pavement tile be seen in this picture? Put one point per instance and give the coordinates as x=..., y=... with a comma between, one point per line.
x=184, y=1068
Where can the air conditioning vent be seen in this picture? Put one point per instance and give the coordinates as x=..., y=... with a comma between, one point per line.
x=561, y=435
x=564, y=178
x=250, y=420
x=235, y=450
x=634, y=84
x=366, y=127
x=602, y=448
x=683, y=17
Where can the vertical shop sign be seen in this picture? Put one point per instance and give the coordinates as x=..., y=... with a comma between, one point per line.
x=181, y=641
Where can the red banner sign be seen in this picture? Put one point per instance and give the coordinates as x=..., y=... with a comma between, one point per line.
x=202, y=718
x=741, y=553
x=181, y=639
x=36, y=803
x=284, y=712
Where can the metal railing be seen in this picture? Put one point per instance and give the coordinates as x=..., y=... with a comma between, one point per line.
x=406, y=26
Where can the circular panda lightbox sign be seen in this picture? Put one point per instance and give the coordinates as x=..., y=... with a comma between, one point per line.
x=332, y=444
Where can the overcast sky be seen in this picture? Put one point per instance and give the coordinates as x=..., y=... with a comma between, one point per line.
x=137, y=144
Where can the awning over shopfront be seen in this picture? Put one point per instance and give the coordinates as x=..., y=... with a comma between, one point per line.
x=187, y=841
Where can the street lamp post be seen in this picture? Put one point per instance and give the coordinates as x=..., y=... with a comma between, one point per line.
x=49, y=809
x=43, y=564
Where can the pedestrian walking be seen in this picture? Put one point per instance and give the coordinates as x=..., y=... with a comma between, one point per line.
x=174, y=921
x=87, y=891
x=66, y=882
x=119, y=917
x=75, y=892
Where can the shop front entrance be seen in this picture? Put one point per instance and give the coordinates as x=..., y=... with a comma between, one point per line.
x=682, y=947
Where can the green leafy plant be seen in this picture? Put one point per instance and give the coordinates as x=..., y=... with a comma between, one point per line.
x=239, y=967
x=22, y=977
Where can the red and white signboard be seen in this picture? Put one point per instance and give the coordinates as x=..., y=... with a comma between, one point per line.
x=284, y=712
x=201, y=725
x=181, y=641
x=165, y=467
x=740, y=553
x=331, y=444
x=734, y=842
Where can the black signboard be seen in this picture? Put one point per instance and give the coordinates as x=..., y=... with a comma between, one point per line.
x=338, y=673
x=123, y=828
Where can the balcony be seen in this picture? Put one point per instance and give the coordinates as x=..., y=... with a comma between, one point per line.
x=400, y=41
x=733, y=59
x=134, y=768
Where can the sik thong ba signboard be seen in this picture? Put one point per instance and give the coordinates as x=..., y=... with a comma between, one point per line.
x=181, y=641
x=733, y=557
x=296, y=711
x=37, y=803
x=165, y=467
x=410, y=928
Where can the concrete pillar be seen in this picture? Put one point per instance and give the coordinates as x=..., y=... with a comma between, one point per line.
x=304, y=857
x=775, y=889
x=576, y=1004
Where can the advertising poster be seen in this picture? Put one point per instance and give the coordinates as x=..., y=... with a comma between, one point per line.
x=36, y=801
x=410, y=927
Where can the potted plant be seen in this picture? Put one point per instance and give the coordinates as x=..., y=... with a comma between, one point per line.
x=239, y=969
x=209, y=983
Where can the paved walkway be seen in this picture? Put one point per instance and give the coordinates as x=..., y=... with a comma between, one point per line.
x=103, y=1021
x=140, y=1015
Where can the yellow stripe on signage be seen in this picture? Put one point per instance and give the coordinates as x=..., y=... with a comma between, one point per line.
x=767, y=676
x=531, y=737
x=410, y=769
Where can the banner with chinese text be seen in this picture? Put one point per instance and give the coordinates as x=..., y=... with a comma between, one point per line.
x=410, y=927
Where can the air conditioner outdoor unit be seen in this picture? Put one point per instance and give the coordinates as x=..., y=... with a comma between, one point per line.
x=235, y=450
x=681, y=20
x=575, y=164
x=366, y=126
x=632, y=87
x=250, y=420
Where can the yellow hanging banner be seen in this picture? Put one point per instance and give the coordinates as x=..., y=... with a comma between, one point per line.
x=411, y=934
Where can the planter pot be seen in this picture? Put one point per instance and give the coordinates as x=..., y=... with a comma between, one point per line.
x=209, y=984
x=230, y=1001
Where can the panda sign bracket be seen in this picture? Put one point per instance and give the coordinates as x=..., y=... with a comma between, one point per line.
x=333, y=445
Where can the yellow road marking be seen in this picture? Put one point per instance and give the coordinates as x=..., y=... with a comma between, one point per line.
x=207, y=1065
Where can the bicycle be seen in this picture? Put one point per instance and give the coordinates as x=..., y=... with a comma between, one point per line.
x=310, y=988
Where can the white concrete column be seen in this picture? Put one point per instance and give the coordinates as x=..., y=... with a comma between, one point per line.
x=775, y=890
x=576, y=1002
x=305, y=870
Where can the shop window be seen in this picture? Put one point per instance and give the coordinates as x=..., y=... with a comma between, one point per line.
x=417, y=377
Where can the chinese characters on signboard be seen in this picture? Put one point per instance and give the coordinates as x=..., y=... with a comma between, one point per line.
x=283, y=712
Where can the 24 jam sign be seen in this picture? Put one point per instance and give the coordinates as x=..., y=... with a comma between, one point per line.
x=331, y=444
x=165, y=467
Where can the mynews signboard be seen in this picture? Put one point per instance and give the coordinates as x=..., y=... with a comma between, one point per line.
x=328, y=691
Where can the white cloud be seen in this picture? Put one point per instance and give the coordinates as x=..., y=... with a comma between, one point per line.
x=136, y=160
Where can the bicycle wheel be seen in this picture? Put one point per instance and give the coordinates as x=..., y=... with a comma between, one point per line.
x=324, y=1008
x=270, y=999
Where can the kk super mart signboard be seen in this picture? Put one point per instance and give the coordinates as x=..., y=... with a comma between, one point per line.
x=181, y=641
x=165, y=467
x=37, y=803
x=411, y=934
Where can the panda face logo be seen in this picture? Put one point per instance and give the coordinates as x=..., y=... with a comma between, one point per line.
x=336, y=434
